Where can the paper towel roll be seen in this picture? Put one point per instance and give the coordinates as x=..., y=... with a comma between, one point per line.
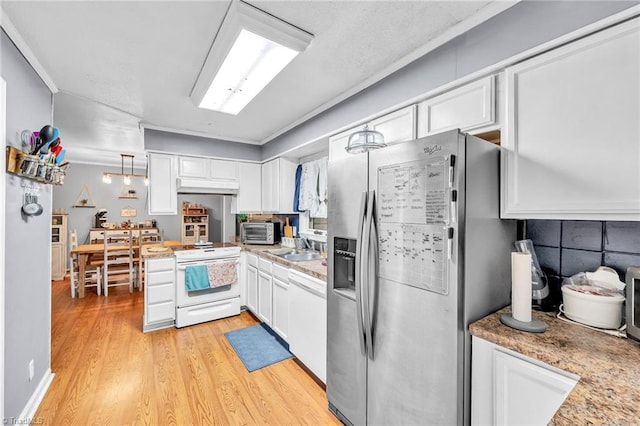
x=521, y=286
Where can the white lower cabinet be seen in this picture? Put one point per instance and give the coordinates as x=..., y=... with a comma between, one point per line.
x=58, y=266
x=508, y=388
x=265, y=290
x=252, y=283
x=308, y=321
x=280, y=307
x=159, y=293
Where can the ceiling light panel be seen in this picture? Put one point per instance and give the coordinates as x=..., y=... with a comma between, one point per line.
x=251, y=48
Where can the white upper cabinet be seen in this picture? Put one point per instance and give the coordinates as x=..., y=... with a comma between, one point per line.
x=206, y=168
x=398, y=126
x=572, y=135
x=224, y=170
x=250, y=191
x=338, y=143
x=278, y=185
x=194, y=167
x=469, y=107
x=163, y=196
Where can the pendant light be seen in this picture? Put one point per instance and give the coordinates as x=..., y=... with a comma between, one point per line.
x=365, y=140
x=126, y=176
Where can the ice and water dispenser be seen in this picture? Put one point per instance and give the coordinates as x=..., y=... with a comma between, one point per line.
x=344, y=257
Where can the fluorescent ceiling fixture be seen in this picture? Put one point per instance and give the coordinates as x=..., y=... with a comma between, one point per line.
x=251, y=48
x=251, y=64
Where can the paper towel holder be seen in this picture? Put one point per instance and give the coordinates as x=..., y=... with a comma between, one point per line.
x=533, y=326
x=520, y=316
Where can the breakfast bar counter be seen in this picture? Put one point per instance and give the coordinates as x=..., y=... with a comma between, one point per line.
x=608, y=391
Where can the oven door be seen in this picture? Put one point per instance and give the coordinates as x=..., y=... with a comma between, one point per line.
x=189, y=298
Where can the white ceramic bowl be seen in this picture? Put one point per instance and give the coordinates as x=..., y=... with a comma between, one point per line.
x=592, y=306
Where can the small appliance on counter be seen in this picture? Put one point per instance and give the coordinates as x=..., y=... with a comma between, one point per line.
x=633, y=302
x=260, y=233
x=594, y=298
x=100, y=219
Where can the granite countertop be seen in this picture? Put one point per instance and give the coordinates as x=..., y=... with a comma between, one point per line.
x=315, y=268
x=608, y=391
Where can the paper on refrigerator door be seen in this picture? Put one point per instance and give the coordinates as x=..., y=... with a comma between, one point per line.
x=414, y=192
x=413, y=208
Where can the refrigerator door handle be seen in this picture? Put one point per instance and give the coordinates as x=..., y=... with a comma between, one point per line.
x=372, y=271
x=358, y=271
x=369, y=256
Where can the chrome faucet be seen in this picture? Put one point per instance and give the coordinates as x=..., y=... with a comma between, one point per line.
x=307, y=244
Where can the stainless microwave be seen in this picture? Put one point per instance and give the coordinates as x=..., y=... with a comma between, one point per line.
x=633, y=303
x=260, y=232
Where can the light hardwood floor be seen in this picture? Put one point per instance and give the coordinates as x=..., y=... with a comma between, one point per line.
x=110, y=373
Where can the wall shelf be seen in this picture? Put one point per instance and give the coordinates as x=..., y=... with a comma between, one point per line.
x=31, y=167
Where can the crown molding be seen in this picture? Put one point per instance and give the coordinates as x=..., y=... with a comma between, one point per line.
x=26, y=51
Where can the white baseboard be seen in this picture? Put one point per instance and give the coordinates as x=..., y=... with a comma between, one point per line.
x=30, y=409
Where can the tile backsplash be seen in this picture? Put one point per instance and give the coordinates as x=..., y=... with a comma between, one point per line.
x=566, y=247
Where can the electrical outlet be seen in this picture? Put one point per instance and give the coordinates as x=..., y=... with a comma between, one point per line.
x=31, y=370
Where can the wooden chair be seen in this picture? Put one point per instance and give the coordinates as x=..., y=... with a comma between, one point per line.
x=144, y=240
x=119, y=269
x=92, y=270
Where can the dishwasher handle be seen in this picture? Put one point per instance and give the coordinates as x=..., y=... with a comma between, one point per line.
x=310, y=284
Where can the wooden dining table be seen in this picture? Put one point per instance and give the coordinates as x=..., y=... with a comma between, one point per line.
x=86, y=251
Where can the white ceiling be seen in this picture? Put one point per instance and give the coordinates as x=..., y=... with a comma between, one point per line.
x=117, y=63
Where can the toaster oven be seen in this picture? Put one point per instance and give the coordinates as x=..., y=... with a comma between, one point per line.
x=260, y=232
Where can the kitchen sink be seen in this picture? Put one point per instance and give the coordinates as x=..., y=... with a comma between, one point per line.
x=301, y=257
x=296, y=255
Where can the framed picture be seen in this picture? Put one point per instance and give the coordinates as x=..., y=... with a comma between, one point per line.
x=128, y=212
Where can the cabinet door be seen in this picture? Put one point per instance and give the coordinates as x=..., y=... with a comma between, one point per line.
x=286, y=185
x=249, y=198
x=398, y=126
x=571, y=137
x=467, y=107
x=270, y=171
x=224, y=170
x=512, y=389
x=58, y=266
x=338, y=143
x=525, y=393
x=163, y=195
x=265, y=284
x=159, y=293
x=252, y=289
x=194, y=167
x=280, y=307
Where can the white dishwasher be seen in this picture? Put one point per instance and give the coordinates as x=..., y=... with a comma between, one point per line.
x=308, y=321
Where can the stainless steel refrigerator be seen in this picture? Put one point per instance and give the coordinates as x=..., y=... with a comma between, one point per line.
x=417, y=252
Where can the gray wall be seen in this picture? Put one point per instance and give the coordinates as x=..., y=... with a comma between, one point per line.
x=27, y=241
x=525, y=25
x=194, y=145
x=106, y=197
